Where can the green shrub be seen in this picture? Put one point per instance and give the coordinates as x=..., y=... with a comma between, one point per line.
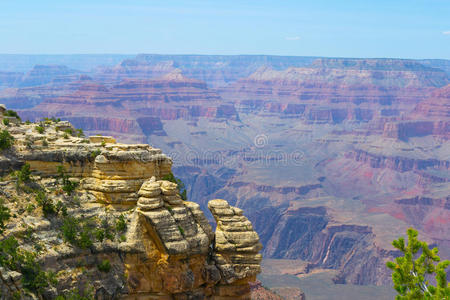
x=28, y=234
x=60, y=170
x=48, y=208
x=28, y=122
x=30, y=208
x=183, y=195
x=61, y=208
x=55, y=119
x=6, y=122
x=14, y=258
x=24, y=174
x=29, y=142
x=181, y=230
x=66, y=136
x=95, y=153
x=39, y=129
x=410, y=271
x=107, y=230
x=68, y=186
x=100, y=235
x=80, y=132
x=70, y=229
x=170, y=177
x=6, y=140
x=11, y=113
x=79, y=232
x=84, y=240
x=75, y=295
x=121, y=223
x=69, y=131
x=4, y=215
x=104, y=266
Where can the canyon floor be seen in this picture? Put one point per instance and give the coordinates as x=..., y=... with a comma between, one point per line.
x=281, y=275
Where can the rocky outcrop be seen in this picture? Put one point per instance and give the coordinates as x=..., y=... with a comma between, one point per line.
x=259, y=292
x=236, y=242
x=167, y=248
x=236, y=248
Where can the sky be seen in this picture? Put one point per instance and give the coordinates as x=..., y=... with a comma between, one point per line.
x=348, y=28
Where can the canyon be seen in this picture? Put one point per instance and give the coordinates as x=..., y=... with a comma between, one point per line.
x=330, y=158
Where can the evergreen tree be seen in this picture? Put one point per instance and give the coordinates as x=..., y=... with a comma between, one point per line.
x=412, y=271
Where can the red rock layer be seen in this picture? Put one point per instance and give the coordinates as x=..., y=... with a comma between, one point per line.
x=134, y=106
x=331, y=91
x=430, y=117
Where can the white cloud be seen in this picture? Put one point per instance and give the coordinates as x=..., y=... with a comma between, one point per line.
x=292, y=38
x=446, y=32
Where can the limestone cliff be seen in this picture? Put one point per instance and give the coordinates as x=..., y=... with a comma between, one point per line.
x=101, y=217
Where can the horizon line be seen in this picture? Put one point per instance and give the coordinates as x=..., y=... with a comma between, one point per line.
x=194, y=54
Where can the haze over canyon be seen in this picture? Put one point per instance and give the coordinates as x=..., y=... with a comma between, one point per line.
x=330, y=158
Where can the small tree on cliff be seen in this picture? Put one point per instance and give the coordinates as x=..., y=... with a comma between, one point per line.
x=170, y=177
x=410, y=271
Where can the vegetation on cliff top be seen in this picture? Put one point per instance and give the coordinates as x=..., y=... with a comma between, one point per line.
x=11, y=113
x=182, y=188
x=80, y=232
x=6, y=140
x=411, y=272
x=15, y=258
x=68, y=185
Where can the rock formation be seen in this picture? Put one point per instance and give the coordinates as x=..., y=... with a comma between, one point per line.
x=166, y=248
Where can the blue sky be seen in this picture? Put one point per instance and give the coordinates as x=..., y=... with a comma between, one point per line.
x=348, y=28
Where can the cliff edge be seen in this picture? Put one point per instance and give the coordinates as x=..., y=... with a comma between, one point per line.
x=98, y=218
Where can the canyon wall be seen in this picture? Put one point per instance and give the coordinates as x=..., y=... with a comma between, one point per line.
x=358, y=147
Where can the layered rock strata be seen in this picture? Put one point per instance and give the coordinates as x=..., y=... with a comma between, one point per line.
x=168, y=249
x=237, y=246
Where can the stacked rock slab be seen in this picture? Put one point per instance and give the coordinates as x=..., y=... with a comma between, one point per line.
x=236, y=249
x=176, y=229
x=120, y=170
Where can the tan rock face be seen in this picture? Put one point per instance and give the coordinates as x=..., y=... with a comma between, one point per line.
x=168, y=249
x=237, y=246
